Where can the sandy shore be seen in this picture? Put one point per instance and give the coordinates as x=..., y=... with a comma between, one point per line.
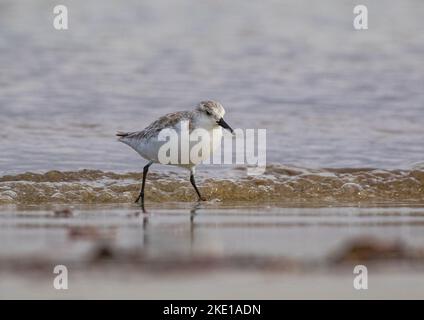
x=114, y=284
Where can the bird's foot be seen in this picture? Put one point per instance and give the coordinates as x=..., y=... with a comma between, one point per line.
x=141, y=204
x=140, y=196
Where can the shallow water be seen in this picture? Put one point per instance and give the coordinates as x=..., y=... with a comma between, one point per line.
x=280, y=185
x=328, y=96
x=184, y=229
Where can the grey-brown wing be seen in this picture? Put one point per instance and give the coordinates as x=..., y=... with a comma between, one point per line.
x=167, y=121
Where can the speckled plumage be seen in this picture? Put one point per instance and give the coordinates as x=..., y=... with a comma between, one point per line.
x=169, y=120
x=146, y=142
x=208, y=115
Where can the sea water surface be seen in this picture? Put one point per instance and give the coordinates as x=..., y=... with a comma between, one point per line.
x=329, y=96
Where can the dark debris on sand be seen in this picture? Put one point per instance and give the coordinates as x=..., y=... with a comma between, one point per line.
x=63, y=213
x=105, y=255
x=368, y=249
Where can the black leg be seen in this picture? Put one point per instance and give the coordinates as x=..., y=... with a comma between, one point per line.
x=141, y=195
x=193, y=183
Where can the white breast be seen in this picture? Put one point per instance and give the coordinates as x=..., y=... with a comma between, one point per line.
x=198, y=147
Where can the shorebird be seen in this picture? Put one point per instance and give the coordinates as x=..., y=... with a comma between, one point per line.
x=207, y=115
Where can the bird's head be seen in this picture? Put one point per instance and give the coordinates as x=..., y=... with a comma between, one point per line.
x=213, y=112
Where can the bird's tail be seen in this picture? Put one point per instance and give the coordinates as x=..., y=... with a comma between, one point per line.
x=128, y=138
x=122, y=134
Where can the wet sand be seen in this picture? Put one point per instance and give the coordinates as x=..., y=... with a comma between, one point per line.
x=210, y=250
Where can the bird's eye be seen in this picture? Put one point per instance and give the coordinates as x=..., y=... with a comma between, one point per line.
x=208, y=113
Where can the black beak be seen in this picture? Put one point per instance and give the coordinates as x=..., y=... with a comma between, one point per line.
x=225, y=125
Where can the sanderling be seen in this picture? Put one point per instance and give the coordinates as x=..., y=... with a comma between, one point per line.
x=208, y=115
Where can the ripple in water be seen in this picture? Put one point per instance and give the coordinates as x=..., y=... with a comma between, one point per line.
x=280, y=184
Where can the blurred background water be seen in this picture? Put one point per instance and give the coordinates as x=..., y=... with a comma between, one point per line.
x=328, y=95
